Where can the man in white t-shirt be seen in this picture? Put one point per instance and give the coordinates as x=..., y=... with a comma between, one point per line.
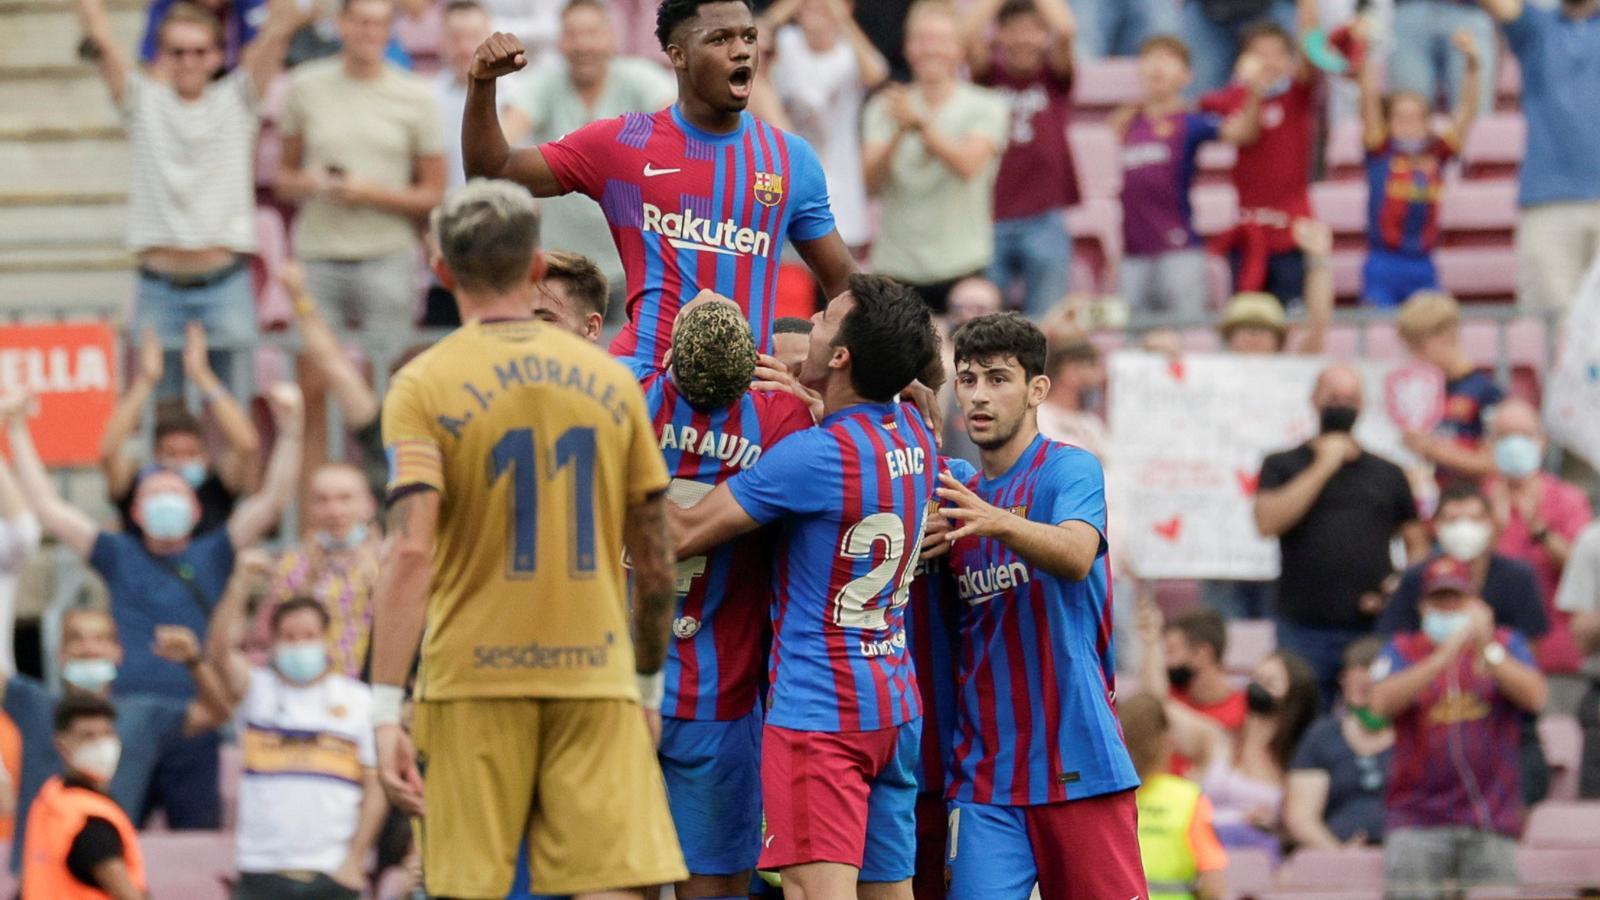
x=191, y=197
x=824, y=66
x=310, y=806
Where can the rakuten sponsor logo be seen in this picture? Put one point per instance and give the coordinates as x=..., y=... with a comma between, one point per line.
x=688, y=231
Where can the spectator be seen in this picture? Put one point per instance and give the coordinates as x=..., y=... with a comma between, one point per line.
x=1421, y=62
x=791, y=340
x=1254, y=322
x=931, y=153
x=824, y=67
x=1558, y=233
x=1458, y=689
x=19, y=542
x=1538, y=517
x=1430, y=324
x=1177, y=841
x=300, y=813
x=969, y=299
x=1273, y=172
x=1334, y=508
x=1163, y=263
x=1029, y=63
x=572, y=295
x=79, y=842
x=191, y=198
x=362, y=158
x=239, y=20
x=1405, y=160
x=1077, y=377
x=1338, y=776
x=591, y=83
x=1579, y=598
x=1220, y=31
x=170, y=576
x=1121, y=27
x=466, y=25
x=537, y=22
x=180, y=442
x=1193, y=646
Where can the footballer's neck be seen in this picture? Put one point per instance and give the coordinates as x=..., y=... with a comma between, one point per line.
x=706, y=117
x=492, y=307
x=838, y=393
x=999, y=460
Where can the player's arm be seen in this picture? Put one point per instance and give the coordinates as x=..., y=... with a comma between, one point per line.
x=484, y=150
x=649, y=545
x=715, y=520
x=256, y=516
x=830, y=261
x=399, y=616
x=1067, y=549
x=116, y=465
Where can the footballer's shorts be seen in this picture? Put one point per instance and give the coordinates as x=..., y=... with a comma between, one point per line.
x=713, y=774
x=933, y=832
x=574, y=780
x=842, y=797
x=1086, y=850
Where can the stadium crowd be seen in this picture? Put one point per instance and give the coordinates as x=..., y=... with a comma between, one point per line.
x=1426, y=639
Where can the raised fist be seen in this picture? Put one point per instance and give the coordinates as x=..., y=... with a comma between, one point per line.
x=500, y=54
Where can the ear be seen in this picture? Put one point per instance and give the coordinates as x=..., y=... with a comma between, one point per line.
x=537, y=270
x=441, y=271
x=116, y=658
x=678, y=59
x=592, y=323
x=1038, y=389
x=840, y=358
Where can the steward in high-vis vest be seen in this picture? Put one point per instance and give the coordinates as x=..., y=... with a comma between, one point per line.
x=1183, y=860
x=80, y=844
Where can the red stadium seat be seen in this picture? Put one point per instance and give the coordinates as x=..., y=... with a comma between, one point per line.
x=1343, y=341
x=1495, y=145
x=1249, y=872
x=1249, y=642
x=1345, y=153
x=1347, y=274
x=1098, y=158
x=194, y=865
x=1478, y=273
x=1215, y=162
x=1097, y=241
x=1562, y=739
x=1573, y=867
x=1347, y=869
x=1478, y=212
x=1102, y=85
x=1216, y=208
x=1574, y=823
x=1508, y=83
x=1342, y=206
x=1525, y=338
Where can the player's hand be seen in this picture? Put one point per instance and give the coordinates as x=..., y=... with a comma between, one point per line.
x=973, y=515
x=652, y=724
x=773, y=375
x=500, y=54
x=196, y=362
x=176, y=644
x=152, y=358
x=936, y=536
x=927, y=401
x=397, y=770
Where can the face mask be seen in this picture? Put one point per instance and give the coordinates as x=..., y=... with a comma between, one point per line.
x=328, y=541
x=98, y=759
x=1279, y=87
x=1259, y=700
x=1465, y=539
x=167, y=516
x=1410, y=146
x=1339, y=418
x=1440, y=626
x=301, y=662
x=194, y=472
x=90, y=675
x=1369, y=720
x=1180, y=676
x=1517, y=456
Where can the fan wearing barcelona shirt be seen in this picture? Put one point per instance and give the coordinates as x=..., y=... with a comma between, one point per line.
x=701, y=195
x=711, y=425
x=1043, y=787
x=851, y=498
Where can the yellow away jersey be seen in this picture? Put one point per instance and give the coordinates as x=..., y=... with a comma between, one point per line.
x=538, y=442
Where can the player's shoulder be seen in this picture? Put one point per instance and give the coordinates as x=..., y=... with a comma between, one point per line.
x=1061, y=456
x=776, y=404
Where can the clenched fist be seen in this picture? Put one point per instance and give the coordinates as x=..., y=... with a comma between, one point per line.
x=500, y=54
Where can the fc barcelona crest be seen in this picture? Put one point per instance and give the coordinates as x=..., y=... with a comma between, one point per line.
x=768, y=188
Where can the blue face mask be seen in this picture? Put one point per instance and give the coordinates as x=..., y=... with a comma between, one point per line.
x=1410, y=146
x=1441, y=626
x=1279, y=87
x=90, y=675
x=168, y=516
x=301, y=662
x=1517, y=456
x=194, y=472
x=333, y=544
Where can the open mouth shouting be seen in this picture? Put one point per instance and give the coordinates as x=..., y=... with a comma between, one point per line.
x=740, y=81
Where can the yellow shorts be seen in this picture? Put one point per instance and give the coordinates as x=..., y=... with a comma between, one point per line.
x=577, y=779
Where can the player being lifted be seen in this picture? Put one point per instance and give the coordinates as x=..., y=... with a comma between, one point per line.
x=851, y=498
x=711, y=426
x=1042, y=790
x=701, y=195
x=522, y=462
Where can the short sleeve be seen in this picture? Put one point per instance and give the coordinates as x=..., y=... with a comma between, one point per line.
x=1204, y=844
x=1570, y=512
x=877, y=126
x=811, y=217
x=1400, y=614
x=1580, y=581
x=97, y=842
x=1223, y=102
x=647, y=471
x=410, y=442
x=427, y=139
x=133, y=95
x=581, y=160
x=1277, y=470
x=783, y=481
x=1525, y=32
x=1389, y=663
x=106, y=553
x=292, y=121
x=959, y=469
x=1077, y=490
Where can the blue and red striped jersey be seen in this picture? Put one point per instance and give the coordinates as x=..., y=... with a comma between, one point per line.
x=933, y=619
x=1403, y=196
x=1036, y=722
x=852, y=497
x=690, y=210
x=714, y=660
x=1452, y=745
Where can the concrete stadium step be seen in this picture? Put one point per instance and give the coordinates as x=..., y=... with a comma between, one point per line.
x=74, y=289
x=46, y=219
x=48, y=34
x=64, y=257
x=89, y=165
x=65, y=96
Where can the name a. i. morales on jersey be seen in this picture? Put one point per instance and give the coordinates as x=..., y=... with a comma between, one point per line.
x=538, y=656
x=688, y=231
x=887, y=647
x=711, y=444
x=976, y=587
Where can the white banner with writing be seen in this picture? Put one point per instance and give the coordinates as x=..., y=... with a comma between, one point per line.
x=1572, y=396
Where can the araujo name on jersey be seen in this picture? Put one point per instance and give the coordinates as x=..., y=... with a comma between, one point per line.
x=687, y=231
x=711, y=445
x=987, y=584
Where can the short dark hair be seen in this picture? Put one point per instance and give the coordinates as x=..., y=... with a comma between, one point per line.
x=890, y=336
x=1361, y=654
x=1077, y=350
x=1002, y=335
x=185, y=12
x=456, y=6
x=1458, y=490
x=1167, y=43
x=1204, y=627
x=75, y=706
x=791, y=325
x=173, y=418
x=1010, y=9
x=584, y=280
x=296, y=604
x=1266, y=28
x=672, y=13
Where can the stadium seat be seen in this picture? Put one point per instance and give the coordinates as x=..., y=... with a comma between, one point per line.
x=1478, y=273
x=1343, y=341
x=1102, y=85
x=1383, y=342
x=194, y=865
x=1249, y=872
x=1249, y=642
x=1216, y=208
x=1342, y=206
x=1346, y=869
x=1478, y=212
x=1573, y=823
x=1508, y=83
x=1098, y=159
x=1526, y=341
x=1495, y=145
x=1481, y=341
x=1215, y=162
x=1096, y=227
x=1547, y=866
x=1347, y=274
x=1562, y=739
x=1345, y=154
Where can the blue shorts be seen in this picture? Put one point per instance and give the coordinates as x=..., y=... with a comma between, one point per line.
x=1390, y=278
x=713, y=774
x=1086, y=850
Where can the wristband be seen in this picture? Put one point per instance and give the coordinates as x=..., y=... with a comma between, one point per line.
x=386, y=702
x=304, y=305
x=652, y=690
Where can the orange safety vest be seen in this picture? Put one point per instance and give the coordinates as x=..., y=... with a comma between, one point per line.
x=58, y=814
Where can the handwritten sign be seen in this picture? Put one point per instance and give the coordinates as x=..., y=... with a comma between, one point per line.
x=1572, y=396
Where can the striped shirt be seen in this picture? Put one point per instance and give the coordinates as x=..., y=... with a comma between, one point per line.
x=193, y=179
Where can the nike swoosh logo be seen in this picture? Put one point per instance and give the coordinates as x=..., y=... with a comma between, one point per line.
x=651, y=171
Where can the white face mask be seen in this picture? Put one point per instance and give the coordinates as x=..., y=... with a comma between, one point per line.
x=1465, y=539
x=98, y=759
